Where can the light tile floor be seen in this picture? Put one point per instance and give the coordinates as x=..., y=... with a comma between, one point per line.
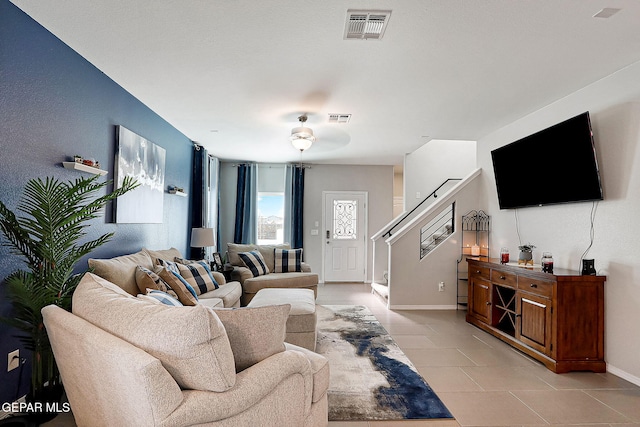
x=485, y=382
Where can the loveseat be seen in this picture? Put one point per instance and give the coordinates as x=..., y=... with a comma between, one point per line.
x=294, y=275
x=125, y=360
x=125, y=271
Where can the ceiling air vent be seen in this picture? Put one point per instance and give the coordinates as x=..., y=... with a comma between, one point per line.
x=366, y=24
x=339, y=118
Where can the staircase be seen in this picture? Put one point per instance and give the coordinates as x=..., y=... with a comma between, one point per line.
x=403, y=248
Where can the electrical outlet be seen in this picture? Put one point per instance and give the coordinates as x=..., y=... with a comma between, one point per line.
x=13, y=360
x=441, y=286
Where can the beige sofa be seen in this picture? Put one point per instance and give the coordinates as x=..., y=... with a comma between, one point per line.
x=122, y=271
x=127, y=361
x=251, y=285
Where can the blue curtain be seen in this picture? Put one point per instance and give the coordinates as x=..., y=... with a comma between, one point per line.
x=294, y=202
x=246, y=199
x=204, y=198
x=199, y=186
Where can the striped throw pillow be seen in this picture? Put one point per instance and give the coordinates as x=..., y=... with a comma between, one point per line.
x=186, y=293
x=162, y=297
x=195, y=273
x=287, y=260
x=147, y=279
x=254, y=261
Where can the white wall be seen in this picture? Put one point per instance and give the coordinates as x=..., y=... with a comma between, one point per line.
x=376, y=180
x=433, y=163
x=413, y=282
x=614, y=104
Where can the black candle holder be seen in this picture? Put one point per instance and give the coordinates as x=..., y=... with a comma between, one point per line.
x=588, y=267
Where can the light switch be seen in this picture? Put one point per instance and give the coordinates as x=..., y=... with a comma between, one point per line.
x=314, y=232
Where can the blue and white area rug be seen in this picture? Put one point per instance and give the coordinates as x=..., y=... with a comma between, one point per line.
x=371, y=378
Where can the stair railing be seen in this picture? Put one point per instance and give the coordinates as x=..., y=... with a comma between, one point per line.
x=408, y=214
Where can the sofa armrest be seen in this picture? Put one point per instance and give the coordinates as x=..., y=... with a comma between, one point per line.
x=253, y=385
x=219, y=277
x=240, y=274
x=306, y=268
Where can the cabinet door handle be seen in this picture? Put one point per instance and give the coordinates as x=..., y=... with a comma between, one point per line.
x=533, y=285
x=477, y=271
x=488, y=302
x=502, y=277
x=518, y=315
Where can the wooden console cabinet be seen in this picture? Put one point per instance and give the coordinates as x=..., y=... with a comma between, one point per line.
x=558, y=319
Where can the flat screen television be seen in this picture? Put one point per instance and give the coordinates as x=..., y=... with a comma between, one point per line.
x=552, y=166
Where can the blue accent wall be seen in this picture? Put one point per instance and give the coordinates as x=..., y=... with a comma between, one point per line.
x=55, y=104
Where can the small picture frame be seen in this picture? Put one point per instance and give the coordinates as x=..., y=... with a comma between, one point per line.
x=217, y=261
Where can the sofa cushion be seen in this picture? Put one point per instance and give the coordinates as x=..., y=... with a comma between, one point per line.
x=234, y=249
x=186, y=294
x=191, y=342
x=211, y=302
x=287, y=260
x=122, y=270
x=162, y=254
x=229, y=293
x=255, y=333
x=280, y=280
x=267, y=252
x=254, y=261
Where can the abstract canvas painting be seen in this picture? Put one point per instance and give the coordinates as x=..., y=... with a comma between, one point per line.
x=143, y=160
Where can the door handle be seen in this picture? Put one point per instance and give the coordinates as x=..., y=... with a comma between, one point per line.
x=327, y=234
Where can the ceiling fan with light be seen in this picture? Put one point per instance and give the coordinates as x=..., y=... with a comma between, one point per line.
x=302, y=137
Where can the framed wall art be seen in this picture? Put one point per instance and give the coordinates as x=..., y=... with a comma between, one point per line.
x=143, y=160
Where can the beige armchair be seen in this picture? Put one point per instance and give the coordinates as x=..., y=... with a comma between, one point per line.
x=114, y=375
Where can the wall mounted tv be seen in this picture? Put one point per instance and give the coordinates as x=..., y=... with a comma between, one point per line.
x=555, y=165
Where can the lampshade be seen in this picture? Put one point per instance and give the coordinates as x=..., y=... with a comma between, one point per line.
x=202, y=237
x=302, y=138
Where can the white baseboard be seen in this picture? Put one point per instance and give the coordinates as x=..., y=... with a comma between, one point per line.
x=624, y=375
x=423, y=307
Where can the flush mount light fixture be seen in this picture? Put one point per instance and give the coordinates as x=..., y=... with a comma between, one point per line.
x=302, y=137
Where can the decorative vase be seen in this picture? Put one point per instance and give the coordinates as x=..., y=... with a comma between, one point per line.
x=525, y=257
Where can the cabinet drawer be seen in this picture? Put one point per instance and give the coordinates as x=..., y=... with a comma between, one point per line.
x=504, y=278
x=536, y=286
x=479, y=272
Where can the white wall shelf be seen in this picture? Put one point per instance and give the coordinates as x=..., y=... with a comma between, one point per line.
x=84, y=168
x=177, y=193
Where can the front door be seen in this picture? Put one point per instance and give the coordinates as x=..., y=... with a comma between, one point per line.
x=345, y=236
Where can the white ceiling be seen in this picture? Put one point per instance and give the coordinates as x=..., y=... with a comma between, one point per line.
x=235, y=75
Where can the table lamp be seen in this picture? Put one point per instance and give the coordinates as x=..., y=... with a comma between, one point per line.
x=202, y=238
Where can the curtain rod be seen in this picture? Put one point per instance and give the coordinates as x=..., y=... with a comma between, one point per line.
x=271, y=166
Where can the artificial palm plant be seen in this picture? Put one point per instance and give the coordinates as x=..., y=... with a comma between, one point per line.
x=48, y=234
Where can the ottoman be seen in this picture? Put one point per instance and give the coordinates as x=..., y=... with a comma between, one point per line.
x=301, y=324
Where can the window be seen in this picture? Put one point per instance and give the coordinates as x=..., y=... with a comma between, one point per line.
x=270, y=218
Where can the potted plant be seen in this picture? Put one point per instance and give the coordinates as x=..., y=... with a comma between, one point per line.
x=526, y=254
x=47, y=235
